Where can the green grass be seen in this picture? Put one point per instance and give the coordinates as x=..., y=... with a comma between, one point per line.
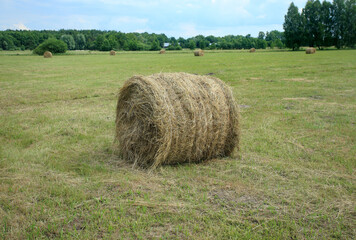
x=294, y=178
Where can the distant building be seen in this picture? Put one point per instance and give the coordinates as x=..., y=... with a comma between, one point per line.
x=165, y=45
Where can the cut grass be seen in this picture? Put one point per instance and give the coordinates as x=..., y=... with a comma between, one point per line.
x=294, y=177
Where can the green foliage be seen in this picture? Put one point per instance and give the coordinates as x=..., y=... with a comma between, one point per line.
x=313, y=26
x=191, y=44
x=80, y=41
x=155, y=45
x=52, y=45
x=321, y=24
x=261, y=35
x=293, y=27
x=69, y=40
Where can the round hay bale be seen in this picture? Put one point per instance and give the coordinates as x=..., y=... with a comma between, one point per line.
x=170, y=118
x=252, y=50
x=310, y=50
x=162, y=51
x=199, y=53
x=47, y=54
x=112, y=53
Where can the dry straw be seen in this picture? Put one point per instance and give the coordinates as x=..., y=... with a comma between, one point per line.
x=252, y=50
x=162, y=51
x=112, y=53
x=310, y=51
x=199, y=53
x=47, y=54
x=172, y=118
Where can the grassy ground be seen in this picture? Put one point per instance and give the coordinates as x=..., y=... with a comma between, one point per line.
x=294, y=179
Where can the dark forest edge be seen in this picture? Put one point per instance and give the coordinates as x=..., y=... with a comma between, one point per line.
x=319, y=25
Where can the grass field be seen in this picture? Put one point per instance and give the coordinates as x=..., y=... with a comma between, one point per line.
x=294, y=178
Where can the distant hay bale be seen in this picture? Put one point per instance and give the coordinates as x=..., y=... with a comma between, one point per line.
x=47, y=54
x=252, y=50
x=162, y=51
x=170, y=118
x=310, y=50
x=199, y=53
x=112, y=53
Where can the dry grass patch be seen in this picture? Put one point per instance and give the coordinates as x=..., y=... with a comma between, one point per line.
x=298, y=80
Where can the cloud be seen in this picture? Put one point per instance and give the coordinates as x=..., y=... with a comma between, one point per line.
x=20, y=26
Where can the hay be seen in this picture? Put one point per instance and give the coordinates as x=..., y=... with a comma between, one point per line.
x=112, y=53
x=199, y=53
x=47, y=54
x=162, y=51
x=252, y=50
x=172, y=118
x=310, y=50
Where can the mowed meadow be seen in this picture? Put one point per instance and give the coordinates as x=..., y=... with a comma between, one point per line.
x=292, y=179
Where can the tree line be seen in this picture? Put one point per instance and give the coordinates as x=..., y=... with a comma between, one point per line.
x=317, y=25
x=321, y=24
x=108, y=40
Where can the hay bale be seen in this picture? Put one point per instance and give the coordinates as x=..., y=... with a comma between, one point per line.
x=172, y=118
x=199, y=53
x=47, y=54
x=162, y=51
x=310, y=50
x=252, y=50
x=112, y=53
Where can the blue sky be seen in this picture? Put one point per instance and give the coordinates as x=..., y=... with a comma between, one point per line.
x=184, y=18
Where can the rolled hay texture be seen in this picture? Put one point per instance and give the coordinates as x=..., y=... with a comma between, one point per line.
x=112, y=53
x=252, y=50
x=47, y=54
x=199, y=53
x=162, y=51
x=170, y=118
x=310, y=51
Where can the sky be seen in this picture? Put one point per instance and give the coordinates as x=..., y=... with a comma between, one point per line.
x=183, y=18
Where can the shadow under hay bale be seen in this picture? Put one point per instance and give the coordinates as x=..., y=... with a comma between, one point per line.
x=199, y=53
x=162, y=51
x=47, y=54
x=112, y=53
x=252, y=50
x=170, y=118
x=310, y=50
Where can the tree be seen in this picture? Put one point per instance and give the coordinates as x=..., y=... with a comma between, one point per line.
x=261, y=35
x=293, y=27
x=106, y=45
x=313, y=27
x=99, y=42
x=80, y=41
x=53, y=45
x=339, y=22
x=155, y=45
x=191, y=44
x=327, y=22
x=350, y=27
x=69, y=40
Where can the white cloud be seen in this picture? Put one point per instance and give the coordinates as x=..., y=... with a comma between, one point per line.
x=20, y=26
